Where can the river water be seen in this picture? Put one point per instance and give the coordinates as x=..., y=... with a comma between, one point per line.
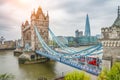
x=52, y=69
x=9, y=64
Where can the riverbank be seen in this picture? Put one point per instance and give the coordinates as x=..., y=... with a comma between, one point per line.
x=3, y=49
x=29, y=57
x=51, y=70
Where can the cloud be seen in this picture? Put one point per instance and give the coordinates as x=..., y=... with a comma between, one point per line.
x=64, y=15
x=7, y=20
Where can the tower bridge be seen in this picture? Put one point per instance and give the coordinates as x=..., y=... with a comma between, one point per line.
x=36, y=35
x=39, y=19
x=74, y=59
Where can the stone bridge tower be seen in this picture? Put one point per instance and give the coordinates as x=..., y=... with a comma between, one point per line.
x=111, y=41
x=40, y=20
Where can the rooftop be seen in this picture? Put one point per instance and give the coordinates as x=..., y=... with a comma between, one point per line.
x=117, y=21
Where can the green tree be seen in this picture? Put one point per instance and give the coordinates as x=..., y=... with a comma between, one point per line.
x=42, y=78
x=112, y=74
x=76, y=75
x=6, y=76
x=103, y=75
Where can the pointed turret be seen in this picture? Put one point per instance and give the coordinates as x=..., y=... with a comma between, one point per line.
x=118, y=11
x=47, y=16
x=26, y=23
x=87, y=27
x=39, y=13
x=22, y=25
x=39, y=10
x=33, y=15
x=117, y=21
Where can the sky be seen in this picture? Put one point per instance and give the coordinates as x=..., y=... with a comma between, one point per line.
x=66, y=16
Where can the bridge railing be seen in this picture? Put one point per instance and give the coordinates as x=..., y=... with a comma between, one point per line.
x=66, y=48
x=71, y=62
x=65, y=58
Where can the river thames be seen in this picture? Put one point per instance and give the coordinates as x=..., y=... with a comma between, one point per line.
x=9, y=64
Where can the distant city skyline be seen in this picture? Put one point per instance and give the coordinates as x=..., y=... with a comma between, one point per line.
x=65, y=16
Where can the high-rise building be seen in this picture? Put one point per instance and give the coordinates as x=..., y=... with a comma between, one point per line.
x=41, y=21
x=85, y=39
x=78, y=33
x=87, y=27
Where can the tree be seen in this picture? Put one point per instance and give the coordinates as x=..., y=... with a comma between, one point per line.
x=76, y=75
x=112, y=74
x=103, y=75
x=42, y=78
x=6, y=76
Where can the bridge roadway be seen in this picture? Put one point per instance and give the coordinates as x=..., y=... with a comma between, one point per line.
x=70, y=62
x=99, y=54
x=66, y=48
x=70, y=59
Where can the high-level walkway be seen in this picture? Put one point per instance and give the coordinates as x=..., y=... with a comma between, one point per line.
x=73, y=59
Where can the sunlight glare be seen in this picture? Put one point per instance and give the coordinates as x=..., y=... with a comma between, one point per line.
x=24, y=1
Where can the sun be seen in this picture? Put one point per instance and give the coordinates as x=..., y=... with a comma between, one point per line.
x=24, y=1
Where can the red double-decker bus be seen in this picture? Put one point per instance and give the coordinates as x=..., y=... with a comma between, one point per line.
x=92, y=60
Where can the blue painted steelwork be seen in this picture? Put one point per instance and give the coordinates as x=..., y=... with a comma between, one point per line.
x=27, y=47
x=87, y=27
x=66, y=58
x=43, y=43
x=62, y=46
x=100, y=51
x=70, y=62
x=47, y=48
x=88, y=53
x=69, y=50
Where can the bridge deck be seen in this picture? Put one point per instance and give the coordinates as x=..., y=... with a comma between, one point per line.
x=70, y=62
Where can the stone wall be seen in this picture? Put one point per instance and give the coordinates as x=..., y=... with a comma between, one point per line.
x=41, y=21
x=111, y=41
x=8, y=45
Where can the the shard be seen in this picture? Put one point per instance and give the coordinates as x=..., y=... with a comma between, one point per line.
x=87, y=27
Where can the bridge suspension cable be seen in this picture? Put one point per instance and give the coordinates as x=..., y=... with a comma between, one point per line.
x=44, y=45
x=49, y=50
x=62, y=46
x=66, y=48
x=66, y=58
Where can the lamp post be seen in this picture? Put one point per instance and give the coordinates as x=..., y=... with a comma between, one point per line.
x=111, y=60
x=2, y=39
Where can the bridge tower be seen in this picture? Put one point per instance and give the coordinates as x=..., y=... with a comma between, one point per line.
x=111, y=42
x=87, y=27
x=41, y=21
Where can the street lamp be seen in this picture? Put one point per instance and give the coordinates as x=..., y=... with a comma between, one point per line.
x=2, y=39
x=111, y=61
